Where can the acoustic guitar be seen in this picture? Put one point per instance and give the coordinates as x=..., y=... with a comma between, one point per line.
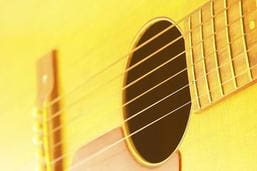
x=133, y=85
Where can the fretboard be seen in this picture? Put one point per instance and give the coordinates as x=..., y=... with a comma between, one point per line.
x=221, y=49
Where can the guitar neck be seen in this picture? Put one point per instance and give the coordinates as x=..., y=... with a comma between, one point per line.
x=220, y=46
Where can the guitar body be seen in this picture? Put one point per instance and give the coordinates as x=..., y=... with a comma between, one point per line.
x=88, y=36
x=229, y=141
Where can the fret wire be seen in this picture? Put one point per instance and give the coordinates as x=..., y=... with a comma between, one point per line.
x=212, y=70
x=192, y=60
x=211, y=35
x=244, y=39
x=215, y=49
x=135, y=49
x=203, y=56
x=190, y=65
x=102, y=150
x=229, y=47
x=237, y=56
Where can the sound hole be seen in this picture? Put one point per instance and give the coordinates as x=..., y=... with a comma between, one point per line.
x=157, y=142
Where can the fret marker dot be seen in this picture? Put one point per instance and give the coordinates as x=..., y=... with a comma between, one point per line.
x=252, y=25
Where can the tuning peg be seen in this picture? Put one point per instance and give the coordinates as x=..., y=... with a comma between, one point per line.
x=37, y=114
x=37, y=140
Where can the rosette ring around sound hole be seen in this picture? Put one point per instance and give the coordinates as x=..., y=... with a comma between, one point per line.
x=154, y=145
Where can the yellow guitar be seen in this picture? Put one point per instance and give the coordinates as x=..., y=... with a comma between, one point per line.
x=133, y=85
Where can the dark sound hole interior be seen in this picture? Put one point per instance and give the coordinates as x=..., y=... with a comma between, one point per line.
x=158, y=141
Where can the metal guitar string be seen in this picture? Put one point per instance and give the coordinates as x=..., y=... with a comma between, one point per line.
x=168, y=61
x=183, y=52
x=91, y=50
x=141, y=61
x=136, y=114
x=163, y=64
x=55, y=100
x=28, y=108
x=140, y=95
x=59, y=127
x=97, y=153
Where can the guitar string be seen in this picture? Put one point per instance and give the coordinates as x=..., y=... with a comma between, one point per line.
x=203, y=5
x=91, y=50
x=55, y=100
x=223, y=49
x=85, y=54
x=141, y=61
x=59, y=127
x=136, y=114
x=168, y=61
x=152, y=88
x=139, y=48
x=106, y=148
x=79, y=59
x=66, y=40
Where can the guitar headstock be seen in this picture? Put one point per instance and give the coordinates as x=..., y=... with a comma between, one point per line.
x=48, y=121
x=47, y=77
